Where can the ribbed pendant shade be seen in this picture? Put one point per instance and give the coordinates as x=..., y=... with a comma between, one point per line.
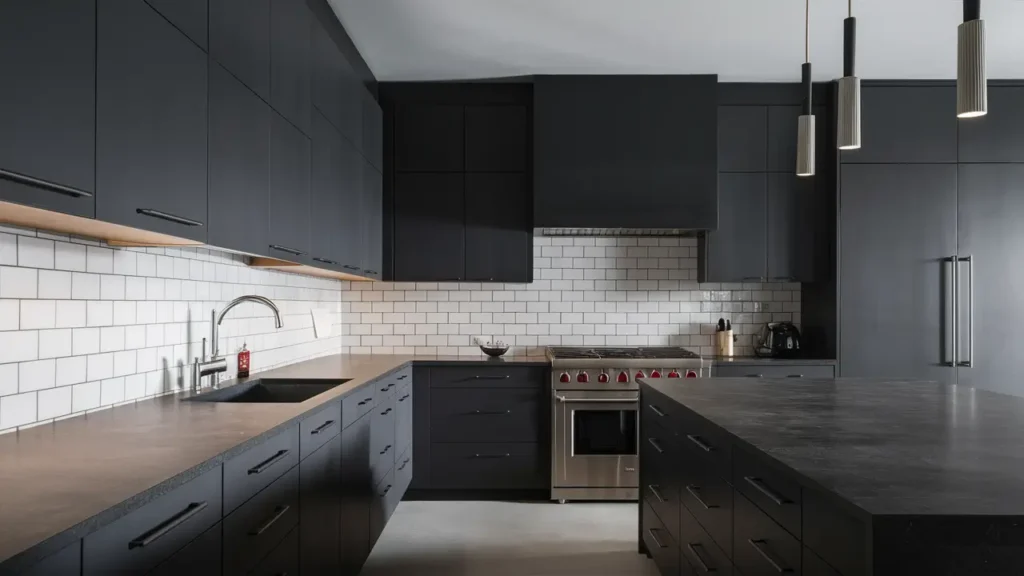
x=805, y=145
x=848, y=115
x=971, y=80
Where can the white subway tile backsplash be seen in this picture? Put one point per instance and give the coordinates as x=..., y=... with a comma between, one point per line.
x=55, y=343
x=35, y=252
x=37, y=314
x=8, y=379
x=36, y=375
x=19, y=346
x=99, y=260
x=85, y=396
x=17, y=410
x=54, y=403
x=99, y=313
x=18, y=282
x=8, y=249
x=69, y=256
x=85, y=286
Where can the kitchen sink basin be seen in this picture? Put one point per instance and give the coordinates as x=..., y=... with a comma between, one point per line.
x=268, y=391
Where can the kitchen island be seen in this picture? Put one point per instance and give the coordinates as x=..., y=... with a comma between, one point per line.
x=825, y=477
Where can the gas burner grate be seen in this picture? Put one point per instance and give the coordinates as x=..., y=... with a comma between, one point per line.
x=631, y=353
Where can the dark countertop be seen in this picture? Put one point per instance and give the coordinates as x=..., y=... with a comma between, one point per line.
x=61, y=481
x=758, y=361
x=885, y=446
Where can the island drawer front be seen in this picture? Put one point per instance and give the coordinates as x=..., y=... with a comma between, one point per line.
x=773, y=491
x=657, y=408
x=403, y=419
x=317, y=429
x=403, y=470
x=488, y=466
x=704, y=445
x=200, y=558
x=760, y=546
x=815, y=566
x=386, y=387
x=700, y=550
x=660, y=544
x=382, y=438
x=487, y=376
x=358, y=403
x=659, y=457
x=485, y=415
x=709, y=499
x=261, y=523
x=836, y=535
x=379, y=512
x=763, y=371
x=254, y=469
x=137, y=542
x=282, y=560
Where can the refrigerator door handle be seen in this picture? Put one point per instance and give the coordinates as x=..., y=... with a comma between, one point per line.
x=951, y=344
x=969, y=362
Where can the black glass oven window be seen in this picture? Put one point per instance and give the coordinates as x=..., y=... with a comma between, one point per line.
x=604, y=432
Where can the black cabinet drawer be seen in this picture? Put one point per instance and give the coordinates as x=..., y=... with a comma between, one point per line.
x=252, y=470
x=483, y=415
x=760, y=546
x=700, y=550
x=659, y=543
x=142, y=539
x=704, y=446
x=773, y=491
x=379, y=506
x=488, y=466
x=659, y=409
x=316, y=430
x=709, y=498
x=283, y=561
x=763, y=371
x=659, y=458
x=200, y=558
x=403, y=419
x=471, y=376
x=261, y=523
x=382, y=439
x=357, y=403
x=385, y=388
x=67, y=562
x=403, y=471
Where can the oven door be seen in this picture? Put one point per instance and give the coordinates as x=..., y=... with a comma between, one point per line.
x=595, y=439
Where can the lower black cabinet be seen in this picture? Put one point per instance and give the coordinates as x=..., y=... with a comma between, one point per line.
x=357, y=494
x=67, y=562
x=261, y=523
x=283, y=560
x=200, y=558
x=320, y=513
x=499, y=236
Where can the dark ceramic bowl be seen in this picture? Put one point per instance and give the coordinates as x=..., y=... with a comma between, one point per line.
x=494, y=351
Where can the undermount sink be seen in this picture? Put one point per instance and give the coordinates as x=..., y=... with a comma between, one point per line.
x=268, y=391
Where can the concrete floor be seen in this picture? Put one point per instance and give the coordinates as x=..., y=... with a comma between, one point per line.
x=509, y=539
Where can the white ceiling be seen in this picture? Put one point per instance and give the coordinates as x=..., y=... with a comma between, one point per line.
x=740, y=40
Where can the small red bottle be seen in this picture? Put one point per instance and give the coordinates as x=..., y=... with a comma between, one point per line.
x=243, y=362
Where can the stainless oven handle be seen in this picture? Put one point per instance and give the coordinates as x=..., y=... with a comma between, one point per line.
x=597, y=400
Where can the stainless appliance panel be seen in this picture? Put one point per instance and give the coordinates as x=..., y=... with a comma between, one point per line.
x=595, y=439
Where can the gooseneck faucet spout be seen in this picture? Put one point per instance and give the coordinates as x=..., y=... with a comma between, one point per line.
x=201, y=366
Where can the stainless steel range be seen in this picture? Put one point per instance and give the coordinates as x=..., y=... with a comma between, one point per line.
x=595, y=415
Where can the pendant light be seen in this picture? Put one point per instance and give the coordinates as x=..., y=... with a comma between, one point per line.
x=848, y=131
x=805, y=124
x=971, y=81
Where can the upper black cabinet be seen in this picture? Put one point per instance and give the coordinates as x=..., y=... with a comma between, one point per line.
x=48, y=104
x=736, y=250
x=429, y=225
x=289, y=192
x=240, y=41
x=189, y=16
x=742, y=140
x=598, y=138
x=354, y=215
x=795, y=215
x=498, y=240
x=907, y=125
x=496, y=138
x=429, y=138
x=327, y=187
x=290, y=61
x=999, y=135
x=239, y=165
x=151, y=125
x=337, y=93
x=373, y=214
x=373, y=131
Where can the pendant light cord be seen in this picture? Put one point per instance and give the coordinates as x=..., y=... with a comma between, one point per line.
x=851, y=9
x=807, y=32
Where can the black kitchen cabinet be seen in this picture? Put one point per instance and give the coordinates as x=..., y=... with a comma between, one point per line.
x=497, y=138
x=48, y=105
x=189, y=16
x=498, y=235
x=354, y=215
x=151, y=123
x=283, y=560
x=903, y=124
x=289, y=237
x=795, y=213
x=240, y=41
x=373, y=215
x=327, y=189
x=261, y=523
x=429, y=137
x=736, y=250
x=336, y=91
x=290, y=61
x=999, y=135
x=654, y=138
x=201, y=557
x=357, y=494
x=742, y=140
x=782, y=138
x=373, y=131
x=429, y=226
x=895, y=297
x=320, y=511
x=67, y=562
x=239, y=165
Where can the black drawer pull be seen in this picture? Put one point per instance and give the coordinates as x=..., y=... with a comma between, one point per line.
x=74, y=193
x=795, y=376
x=654, y=537
x=279, y=512
x=657, y=446
x=403, y=398
x=385, y=413
x=483, y=456
x=169, y=217
x=386, y=490
x=657, y=493
x=404, y=464
x=392, y=385
x=755, y=375
x=693, y=490
x=349, y=267
x=167, y=525
x=700, y=443
x=505, y=377
x=325, y=261
x=403, y=376
x=364, y=402
x=287, y=249
x=656, y=410
x=762, y=548
x=385, y=450
x=695, y=550
x=491, y=412
x=262, y=466
x=766, y=490
x=322, y=427
x=370, y=271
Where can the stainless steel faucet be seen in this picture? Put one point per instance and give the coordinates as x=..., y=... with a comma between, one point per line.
x=215, y=365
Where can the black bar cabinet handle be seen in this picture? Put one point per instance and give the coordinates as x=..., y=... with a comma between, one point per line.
x=385, y=450
x=167, y=525
x=655, y=538
x=371, y=271
x=478, y=377
x=762, y=548
x=386, y=490
x=700, y=559
x=755, y=375
x=167, y=216
x=657, y=446
x=505, y=455
x=391, y=385
x=262, y=466
x=657, y=493
x=322, y=427
x=66, y=190
x=324, y=260
x=404, y=464
x=287, y=249
x=278, y=513
x=700, y=443
x=656, y=410
x=492, y=412
x=384, y=413
x=766, y=490
x=693, y=490
x=403, y=398
x=403, y=376
x=795, y=376
x=349, y=267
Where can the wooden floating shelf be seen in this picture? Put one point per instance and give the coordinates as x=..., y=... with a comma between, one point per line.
x=285, y=266
x=113, y=234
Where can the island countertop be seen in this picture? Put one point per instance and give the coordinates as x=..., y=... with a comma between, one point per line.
x=888, y=447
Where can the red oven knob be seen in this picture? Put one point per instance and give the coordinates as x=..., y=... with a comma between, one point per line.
x=602, y=377
x=640, y=374
x=691, y=374
x=564, y=378
x=623, y=377
x=673, y=374
x=582, y=376
x=655, y=374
